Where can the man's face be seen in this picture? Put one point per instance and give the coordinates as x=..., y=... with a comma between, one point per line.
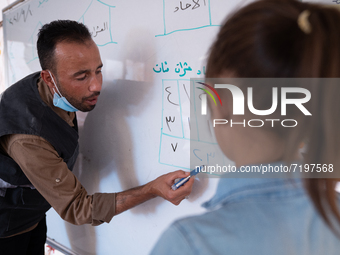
x=79, y=76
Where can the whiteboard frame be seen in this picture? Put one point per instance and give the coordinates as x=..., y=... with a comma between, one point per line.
x=3, y=24
x=12, y=5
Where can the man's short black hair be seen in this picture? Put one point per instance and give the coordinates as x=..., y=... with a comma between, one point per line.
x=57, y=31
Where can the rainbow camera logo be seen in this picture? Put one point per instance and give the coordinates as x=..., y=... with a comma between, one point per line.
x=204, y=97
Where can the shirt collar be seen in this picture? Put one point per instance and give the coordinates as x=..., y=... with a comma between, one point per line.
x=231, y=189
x=47, y=97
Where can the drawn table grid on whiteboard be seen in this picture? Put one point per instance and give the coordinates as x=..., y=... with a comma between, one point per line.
x=175, y=17
x=100, y=29
x=96, y=30
x=181, y=133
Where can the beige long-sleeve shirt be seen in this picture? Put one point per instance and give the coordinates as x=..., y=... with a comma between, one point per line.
x=50, y=175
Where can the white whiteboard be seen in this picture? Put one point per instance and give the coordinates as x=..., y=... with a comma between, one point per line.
x=149, y=49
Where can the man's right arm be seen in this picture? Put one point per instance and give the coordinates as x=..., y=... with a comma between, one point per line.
x=57, y=184
x=158, y=187
x=50, y=175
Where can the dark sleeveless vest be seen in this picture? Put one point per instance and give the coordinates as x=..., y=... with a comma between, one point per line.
x=22, y=111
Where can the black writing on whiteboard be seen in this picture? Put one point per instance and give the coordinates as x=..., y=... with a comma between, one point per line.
x=167, y=90
x=193, y=3
x=23, y=13
x=174, y=148
x=169, y=120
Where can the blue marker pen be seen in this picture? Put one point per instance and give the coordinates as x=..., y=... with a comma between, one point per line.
x=184, y=180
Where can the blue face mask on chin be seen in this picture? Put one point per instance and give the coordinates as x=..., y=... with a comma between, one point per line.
x=60, y=101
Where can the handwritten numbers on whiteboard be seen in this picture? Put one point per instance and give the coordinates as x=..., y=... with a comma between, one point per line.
x=169, y=119
x=167, y=89
x=174, y=147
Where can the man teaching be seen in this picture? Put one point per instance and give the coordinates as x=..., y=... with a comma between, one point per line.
x=39, y=144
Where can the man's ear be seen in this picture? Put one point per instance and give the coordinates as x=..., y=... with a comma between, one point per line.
x=46, y=76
